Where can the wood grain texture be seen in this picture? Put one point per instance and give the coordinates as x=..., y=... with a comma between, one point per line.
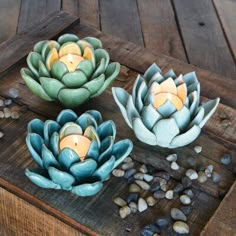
x=71, y=6
x=121, y=18
x=224, y=220
x=159, y=28
x=227, y=14
x=32, y=12
x=23, y=214
x=18, y=47
x=203, y=36
x=9, y=9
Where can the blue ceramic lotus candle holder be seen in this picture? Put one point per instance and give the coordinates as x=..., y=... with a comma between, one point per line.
x=69, y=70
x=164, y=109
x=74, y=153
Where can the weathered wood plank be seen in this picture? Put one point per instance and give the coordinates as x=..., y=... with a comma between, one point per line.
x=226, y=11
x=224, y=220
x=71, y=6
x=32, y=12
x=159, y=28
x=18, y=47
x=9, y=13
x=121, y=18
x=26, y=219
x=203, y=36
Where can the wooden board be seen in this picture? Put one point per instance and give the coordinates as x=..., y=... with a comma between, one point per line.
x=98, y=214
x=203, y=37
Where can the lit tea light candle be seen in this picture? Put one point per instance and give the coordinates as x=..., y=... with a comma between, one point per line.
x=78, y=143
x=71, y=61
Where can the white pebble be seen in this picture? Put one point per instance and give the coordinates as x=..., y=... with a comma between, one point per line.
x=198, y=149
x=1, y=114
x=172, y=157
x=142, y=205
x=128, y=159
x=7, y=112
x=181, y=227
x=118, y=173
x=192, y=174
x=185, y=199
x=1, y=103
x=1, y=134
x=15, y=115
x=133, y=207
x=169, y=194
x=209, y=170
x=174, y=166
x=127, y=165
x=143, y=169
x=147, y=177
x=139, y=176
x=145, y=186
x=13, y=93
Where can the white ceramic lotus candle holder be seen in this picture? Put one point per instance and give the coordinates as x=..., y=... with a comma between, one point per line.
x=164, y=109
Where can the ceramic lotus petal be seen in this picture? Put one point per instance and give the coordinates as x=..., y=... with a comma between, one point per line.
x=83, y=168
x=164, y=109
x=69, y=70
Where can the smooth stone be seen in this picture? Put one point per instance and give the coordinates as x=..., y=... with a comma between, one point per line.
x=13, y=93
x=186, y=182
x=162, y=222
x=124, y=211
x=147, y=177
x=142, y=205
x=174, y=166
x=178, y=188
x=119, y=201
x=150, y=230
x=209, y=170
x=129, y=173
x=177, y=214
x=143, y=169
x=189, y=192
x=1, y=114
x=163, y=174
x=164, y=187
x=192, y=174
x=139, y=176
x=7, y=112
x=172, y=157
x=181, y=227
x=198, y=149
x=159, y=194
x=133, y=207
x=160, y=180
x=202, y=178
x=1, y=103
x=128, y=165
x=151, y=169
x=216, y=177
x=155, y=186
x=15, y=115
x=151, y=201
x=145, y=186
x=118, y=173
x=226, y=159
x=185, y=199
x=134, y=188
x=169, y=194
x=8, y=102
x=1, y=134
x=186, y=209
x=132, y=197
x=131, y=179
x=128, y=159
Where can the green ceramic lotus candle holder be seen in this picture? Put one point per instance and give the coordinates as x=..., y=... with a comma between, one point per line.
x=164, y=110
x=74, y=153
x=69, y=70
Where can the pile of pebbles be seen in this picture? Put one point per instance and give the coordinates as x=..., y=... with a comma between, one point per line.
x=146, y=186
x=8, y=109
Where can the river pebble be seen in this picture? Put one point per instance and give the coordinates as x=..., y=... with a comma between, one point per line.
x=186, y=209
x=118, y=173
x=145, y=186
x=1, y=114
x=192, y=174
x=198, y=149
x=134, y=188
x=7, y=112
x=177, y=214
x=169, y=194
x=119, y=201
x=1, y=103
x=185, y=199
x=13, y=92
x=186, y=182
x=143, y=169
x=202, y=178
x=174, y=166
x=181, y=227
x=159, y=194
x=142, y=205
x=163, y=174
x=1, y=134
x=172, y=157
x=155, y=186
x=189, y=192
x=151, y=201
x=216, y=177
x=209, y=170
x=226, y=159
x=162, y=222
x=15, y=115
x=139, y=176
x=128, y=165
x=147, y=177
x=129, y=173
x=128, y=159
x=132, y=197
x=178, y=188
x=124, y=211
x=133, y=207
x=150, y=230
x=7, y=102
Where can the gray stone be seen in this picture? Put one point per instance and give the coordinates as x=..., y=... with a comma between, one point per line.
x=177, y=214
x=189, y=192
x=133, y=207
x=1, y=103
x=159, y=180
x=128, y=165
x=130, y=180
x=142, y=205
x=1, y=134
x=178, y=188
x=129, y=173
x=169, y=194
x=132, y=197
x=150, y=230
x=13, y=93
x=118, y=173
x=226, y=159
x=181, y=227
x=198, y=149
x=15, y=115
x=128, y=159
x=8, y=102
x=139, y=176
x=186, y=182
x=1, y=114
x=209, y=170
x=192, y=174
x=147, y=177
x=174, y=166
x=124, y=211
x=202, y=178
x=185, y=199
x=151, y=201
x=216, y=177
x=145, y=186
x=134, y=188
x=164, y=187
x=155, y=186
x=7, y=112
x=162, y=222
x=143, y=169
x=159, y=194
x=163, y=174
x=172, y=157
x=119, y=201
x=186, y=209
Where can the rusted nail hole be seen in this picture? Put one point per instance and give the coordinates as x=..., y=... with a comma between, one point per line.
x=201, y=23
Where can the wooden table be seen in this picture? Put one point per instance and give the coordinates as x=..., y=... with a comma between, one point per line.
x=28, y=210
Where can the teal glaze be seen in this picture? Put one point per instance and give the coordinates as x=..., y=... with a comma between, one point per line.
x=165, y=126
x=63, y=169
